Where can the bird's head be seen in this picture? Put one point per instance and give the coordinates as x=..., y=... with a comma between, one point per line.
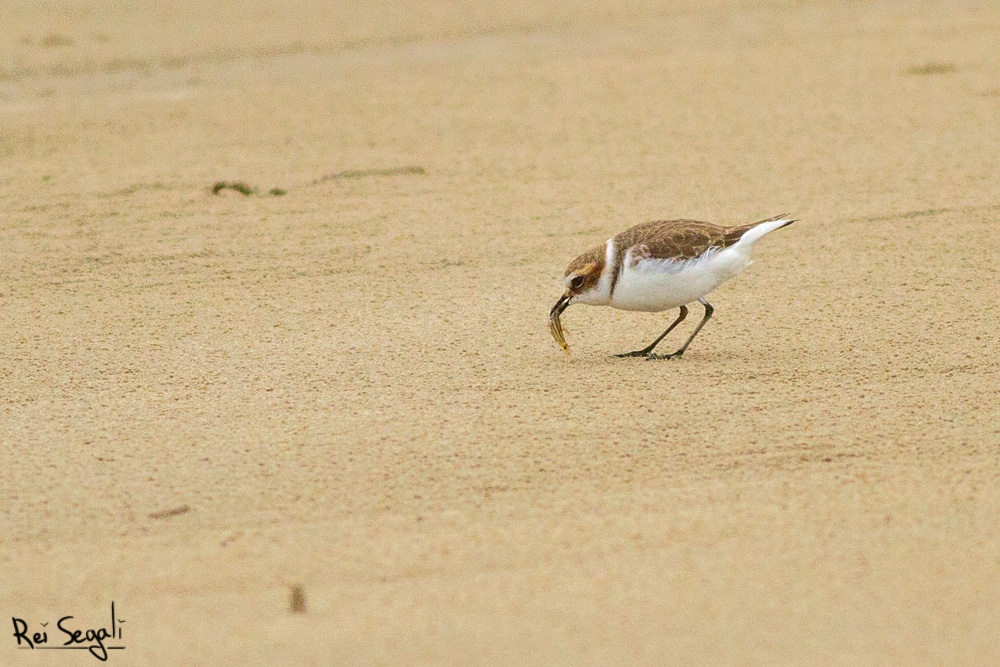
x=580, y=279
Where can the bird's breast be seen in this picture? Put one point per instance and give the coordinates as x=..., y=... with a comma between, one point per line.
x=650, y=284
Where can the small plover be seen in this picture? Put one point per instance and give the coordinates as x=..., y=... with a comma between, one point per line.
x=657, y=266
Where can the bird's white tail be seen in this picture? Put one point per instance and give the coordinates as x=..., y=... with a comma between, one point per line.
x=753, y=234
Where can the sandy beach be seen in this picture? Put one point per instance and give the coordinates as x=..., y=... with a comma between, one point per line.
x=342, y=381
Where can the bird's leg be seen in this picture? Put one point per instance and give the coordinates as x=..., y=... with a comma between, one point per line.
x=677, y=355
x=645, y=351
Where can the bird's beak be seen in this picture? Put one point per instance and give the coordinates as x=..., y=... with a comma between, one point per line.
x=555, y=326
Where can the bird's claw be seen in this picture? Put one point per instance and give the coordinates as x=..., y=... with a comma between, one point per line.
x=654, y=357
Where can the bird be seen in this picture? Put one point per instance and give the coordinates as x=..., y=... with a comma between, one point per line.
x=657, y=266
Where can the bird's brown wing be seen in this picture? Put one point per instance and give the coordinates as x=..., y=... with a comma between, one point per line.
x=670, y=239
x=679, y=239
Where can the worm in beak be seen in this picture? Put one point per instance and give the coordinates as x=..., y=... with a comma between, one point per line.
x=555, y=326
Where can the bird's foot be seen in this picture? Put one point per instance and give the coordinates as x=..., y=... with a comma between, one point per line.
x=637, y=353
x=653, y=357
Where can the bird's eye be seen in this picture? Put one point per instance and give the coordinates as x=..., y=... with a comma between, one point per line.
x=577, y=282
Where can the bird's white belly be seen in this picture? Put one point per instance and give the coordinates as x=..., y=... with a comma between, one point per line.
x=653, y=285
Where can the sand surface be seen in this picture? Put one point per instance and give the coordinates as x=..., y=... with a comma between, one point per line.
x=209, y=399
